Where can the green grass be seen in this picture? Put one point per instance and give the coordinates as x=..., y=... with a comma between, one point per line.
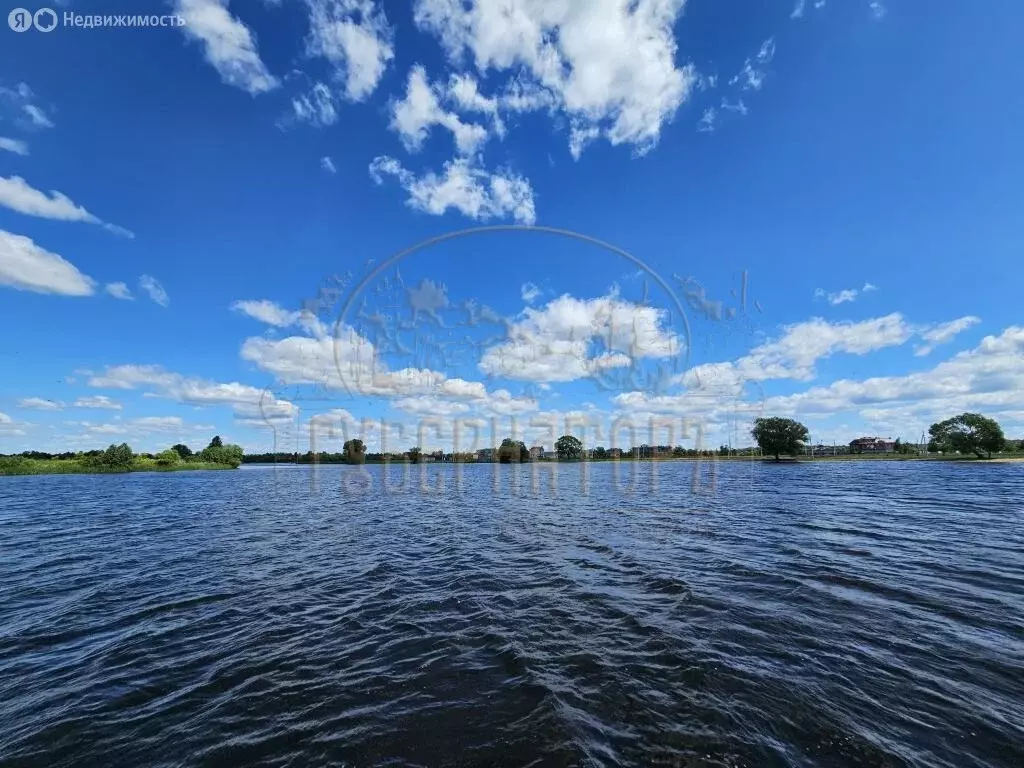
x=21, y=466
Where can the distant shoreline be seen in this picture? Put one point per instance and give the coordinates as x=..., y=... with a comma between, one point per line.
x=629, y=460
x=73, y=467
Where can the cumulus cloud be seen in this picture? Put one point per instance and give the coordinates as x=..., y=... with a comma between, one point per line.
x=274, y=314
x=463, y=186
x=41, y=404
x=16, y=146
x=18, y=195
x=26, y=266
x=606, y=65
x=835, y=298
x=246, y=401
x=355, y=37
x=119, y=291
x=572, y=338
x=228, y=45
x=943, y=332
x=97, y=401
x=529, y=292
x=420, y=109
x=152, y=288
x=988, y=378
x=793, y=355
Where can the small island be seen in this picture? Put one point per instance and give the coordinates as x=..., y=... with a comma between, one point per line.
x=121, y=458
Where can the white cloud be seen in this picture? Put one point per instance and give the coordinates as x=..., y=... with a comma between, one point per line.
x=97, y=401
x=798, y=9
x=355, y=37
x=316, y=107
x=28, y=267
x=5, y=419
x=413, y=116
x=739, y=107
x=878, y=9
x=247, y=401
x=327, y=164
x=229, y=45
x=471, y=190
x=20, y=100
x=529, y=292
x=152, y=288
x=273, y=314
x=16, y=194
x=37, y=116
x=707, y=120
x=557, y=342
x=835, y=298
x=40, y=404
x=753, y=74
x=119, y=291
x=142, y=427
x=794, y=354
x=608, y=65
x=16, y=146
x=944, y=332
x=988, y=378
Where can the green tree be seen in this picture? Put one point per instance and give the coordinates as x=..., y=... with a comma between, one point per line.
x=229, y=455
x=1021, y=446
x=513, y=452
x=776, y=436
x=599, y=453
x=216, y=442
x=415, y=454
x=568, y=448
x=354, y=451
x=933, y=447
x=117, y=458
x=968, y=433
x=169, y=458
x=182, y=450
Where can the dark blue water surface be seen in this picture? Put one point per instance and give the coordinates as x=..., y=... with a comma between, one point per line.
x=862, y=613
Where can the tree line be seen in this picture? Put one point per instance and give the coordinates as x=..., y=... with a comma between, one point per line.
x=121, y=458
x=964, y=434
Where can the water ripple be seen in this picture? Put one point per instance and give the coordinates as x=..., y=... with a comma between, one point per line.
x=827, y=614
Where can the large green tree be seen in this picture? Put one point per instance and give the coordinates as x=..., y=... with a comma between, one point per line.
x=415, y=455
x=513, y=452
x=182, y=450
x=776, y=436
x=354, y=451
x=568, y=447
x=968, y=433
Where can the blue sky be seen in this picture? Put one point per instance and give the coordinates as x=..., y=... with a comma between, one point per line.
x=174, y=200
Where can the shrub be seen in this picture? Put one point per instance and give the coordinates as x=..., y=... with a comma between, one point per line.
x=168, y=458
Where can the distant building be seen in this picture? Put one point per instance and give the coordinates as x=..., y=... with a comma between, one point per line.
x=536, y=452
x=615, y=453
x=485, y=454
x=873, y=445
x=548, y=455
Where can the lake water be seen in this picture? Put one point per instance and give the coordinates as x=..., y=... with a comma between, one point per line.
x=863, y=613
